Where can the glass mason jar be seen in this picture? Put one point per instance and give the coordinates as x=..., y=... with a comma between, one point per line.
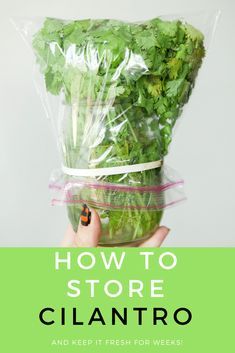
x=121, y=227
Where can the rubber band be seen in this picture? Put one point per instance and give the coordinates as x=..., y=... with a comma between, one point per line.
x=111, y=170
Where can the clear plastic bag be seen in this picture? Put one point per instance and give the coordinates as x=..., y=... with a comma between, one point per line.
x=114, y=91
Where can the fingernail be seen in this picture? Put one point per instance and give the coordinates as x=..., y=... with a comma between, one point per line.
x=85, y=216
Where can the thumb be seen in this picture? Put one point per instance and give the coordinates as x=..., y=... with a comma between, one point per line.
x=89, y=228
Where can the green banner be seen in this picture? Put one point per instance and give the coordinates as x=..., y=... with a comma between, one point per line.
x=117, y=300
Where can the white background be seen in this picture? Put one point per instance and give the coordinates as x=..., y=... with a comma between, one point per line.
x=202, y=150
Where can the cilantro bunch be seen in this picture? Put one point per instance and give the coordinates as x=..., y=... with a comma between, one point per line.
x=123, y=86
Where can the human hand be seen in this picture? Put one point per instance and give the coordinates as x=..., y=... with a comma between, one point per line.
x=89, y=235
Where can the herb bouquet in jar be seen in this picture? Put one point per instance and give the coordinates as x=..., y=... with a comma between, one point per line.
x=121, y=88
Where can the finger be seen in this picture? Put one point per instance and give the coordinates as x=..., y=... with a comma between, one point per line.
x=157, y=239
x=69, y=239
x=89, y=235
